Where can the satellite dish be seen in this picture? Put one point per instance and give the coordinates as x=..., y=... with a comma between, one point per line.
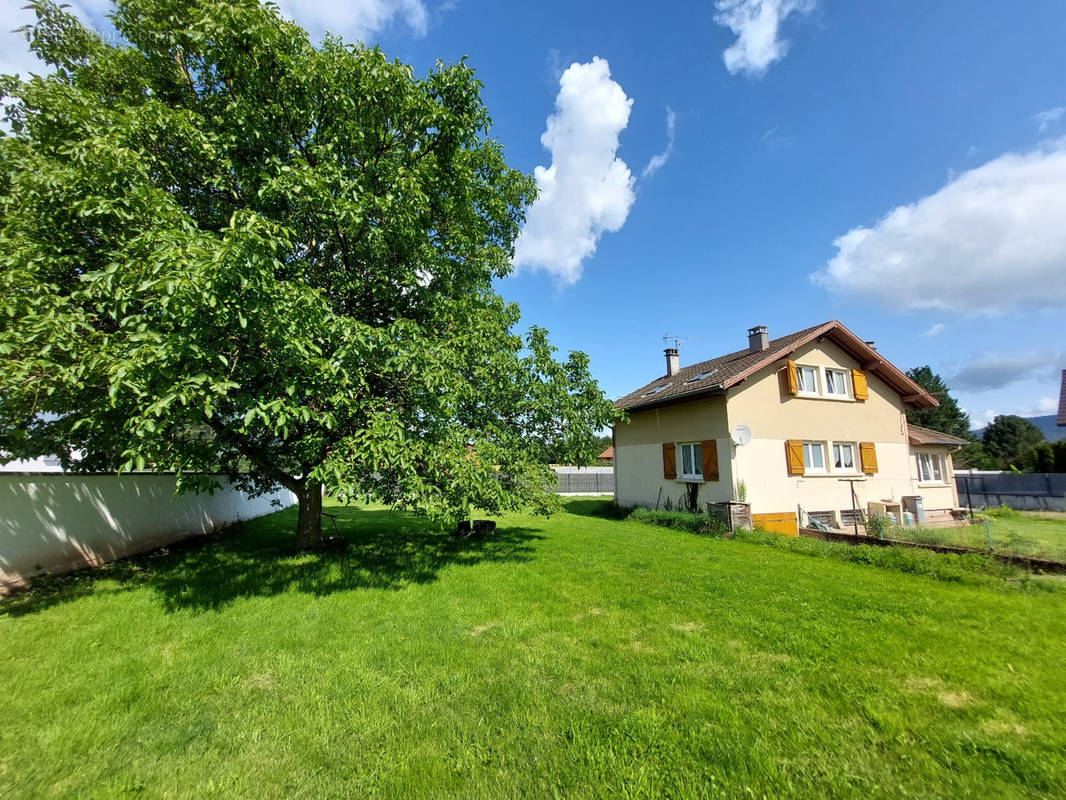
x=741, y=435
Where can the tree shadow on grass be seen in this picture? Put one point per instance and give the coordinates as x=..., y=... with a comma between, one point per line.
x=386, y=550
x=603, y=508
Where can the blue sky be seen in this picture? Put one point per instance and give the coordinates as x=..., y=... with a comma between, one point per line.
x=911, y=154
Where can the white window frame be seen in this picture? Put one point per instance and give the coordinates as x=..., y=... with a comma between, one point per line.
x=812, y=470
x=696, y=449
x=816, y=373
x=845, y=381
x=854, y=470
x=934, y=459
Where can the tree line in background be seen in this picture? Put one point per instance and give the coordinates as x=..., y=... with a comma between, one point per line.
x=1009, y=442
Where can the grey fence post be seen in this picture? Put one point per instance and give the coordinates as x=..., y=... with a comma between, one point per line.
x=988, y=534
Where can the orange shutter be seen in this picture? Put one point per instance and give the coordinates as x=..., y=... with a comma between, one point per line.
x=868, y=457
x=793, y=380
x=858, y=383
x=709, y=448
x=794, y=457
x=669, y=461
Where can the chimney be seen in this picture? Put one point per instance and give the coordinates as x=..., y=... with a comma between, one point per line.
x=758, y=339
x=673, y=361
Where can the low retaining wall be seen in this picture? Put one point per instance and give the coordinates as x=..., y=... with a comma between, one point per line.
x=1040, y=564
x=54, y=523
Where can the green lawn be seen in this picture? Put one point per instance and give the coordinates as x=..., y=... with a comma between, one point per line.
x=577, y=656
x=1014, y=533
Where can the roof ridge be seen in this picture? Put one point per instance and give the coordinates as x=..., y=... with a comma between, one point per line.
x=734, y=367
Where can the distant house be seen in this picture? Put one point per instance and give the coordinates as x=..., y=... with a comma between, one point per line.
x=607, y=456
x=812, y=421
x=1062, y=401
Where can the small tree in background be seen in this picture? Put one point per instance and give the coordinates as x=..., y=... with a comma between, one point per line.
x=1009, y=439
x=223, y=249
x=948, y=417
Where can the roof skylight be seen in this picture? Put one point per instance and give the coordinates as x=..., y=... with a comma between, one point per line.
x=701, y=376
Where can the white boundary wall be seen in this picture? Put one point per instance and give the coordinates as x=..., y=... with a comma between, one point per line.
x=53, y=523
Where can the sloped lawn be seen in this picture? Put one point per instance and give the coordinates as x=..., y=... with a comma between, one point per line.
x=576, y=656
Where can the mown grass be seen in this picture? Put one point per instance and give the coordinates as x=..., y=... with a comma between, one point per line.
x=1008, y=532
x=578, y=656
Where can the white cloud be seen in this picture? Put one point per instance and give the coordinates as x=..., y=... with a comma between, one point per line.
x=356, y=19
x=658, y=161
x=587, y=190
x=757, y=25
x=1046, y=405
x=994, y=371
x=1045, y=119
x=935, y=330
x=993, y=238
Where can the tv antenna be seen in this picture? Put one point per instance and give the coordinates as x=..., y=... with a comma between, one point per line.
x=670, y=340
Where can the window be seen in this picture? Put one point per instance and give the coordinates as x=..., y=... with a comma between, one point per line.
x=692, y=461
x=813, y=457
x=701, y=376
x=807, y=379
x=836, y=382
x=844, y=457
x=656, y=390
x=930, y=468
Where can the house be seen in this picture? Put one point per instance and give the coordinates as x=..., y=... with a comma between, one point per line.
x=607, y=456
x=1062, y=402
x=811, y=422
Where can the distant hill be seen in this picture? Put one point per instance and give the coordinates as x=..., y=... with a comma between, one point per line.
x=1052, y=432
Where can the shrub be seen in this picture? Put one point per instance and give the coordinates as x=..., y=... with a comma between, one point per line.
x=1002, y=512
x=680, y=520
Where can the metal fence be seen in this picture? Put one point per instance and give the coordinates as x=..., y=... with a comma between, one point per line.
x=584, y=480
x=1030, y=537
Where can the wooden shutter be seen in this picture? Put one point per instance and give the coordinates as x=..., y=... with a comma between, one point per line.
x=858, y=384
x=709, y=448
x=669, y=461
x=868, y=457
x=794, y=457
x=791, y=378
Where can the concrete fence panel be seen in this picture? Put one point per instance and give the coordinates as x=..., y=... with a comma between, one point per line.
x=53, y=523
x=1036, y=491
x=584, y=480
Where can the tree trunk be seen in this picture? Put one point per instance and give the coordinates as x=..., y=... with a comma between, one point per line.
x=309, y=521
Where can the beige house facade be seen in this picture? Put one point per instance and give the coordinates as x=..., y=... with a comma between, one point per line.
x=812, y=423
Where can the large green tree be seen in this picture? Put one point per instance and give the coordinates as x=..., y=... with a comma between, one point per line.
x=1009, y=439
x=948, y=417
x=224, y=249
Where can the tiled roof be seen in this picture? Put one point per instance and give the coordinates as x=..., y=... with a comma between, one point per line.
x=608, y=453
x=718, y=374
x=916, y=434
x=1062, y=400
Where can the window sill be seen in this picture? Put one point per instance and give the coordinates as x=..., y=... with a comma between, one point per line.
x=834, y=397
x=690, y=479
x=933, y=484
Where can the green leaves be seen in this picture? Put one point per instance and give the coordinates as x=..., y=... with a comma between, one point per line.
x=225, y=250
